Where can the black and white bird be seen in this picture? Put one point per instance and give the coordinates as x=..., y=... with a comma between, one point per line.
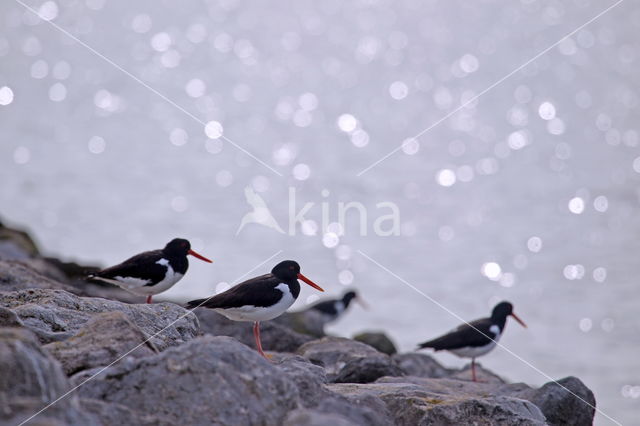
x=332, y=309
x=476, y=338
x=259, y=299
x=151, y=272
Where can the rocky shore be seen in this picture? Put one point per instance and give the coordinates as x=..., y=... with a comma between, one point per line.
x=93, y=357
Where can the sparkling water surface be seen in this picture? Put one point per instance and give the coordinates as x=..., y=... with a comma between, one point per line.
x=165, y=115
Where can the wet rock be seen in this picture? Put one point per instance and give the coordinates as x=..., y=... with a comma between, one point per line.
x=420, y=401
x=207, y=380
x=103, y=339
x=275, y=337
x=377, y=340
x=56, y=315
x=31, y=380
x=565, y=402
x=421, y=365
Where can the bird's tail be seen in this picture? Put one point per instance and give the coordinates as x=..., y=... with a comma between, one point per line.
x=433, y=344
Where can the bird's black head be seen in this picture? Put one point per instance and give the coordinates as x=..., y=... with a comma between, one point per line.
x=177, y=247
x=287, y=270
x=502, y=310
x=348, y=297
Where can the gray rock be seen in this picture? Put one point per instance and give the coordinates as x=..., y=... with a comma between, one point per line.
x=18, y=275
x=314, y=395
x=24, y=274
x=377, y=340
x=209, y=380
x=103, y=339
x=421, y=401
x=565, y=402
x=274, y=336
x=306, y=417
x=482, y=374
x=55, y=315
x=333, y=353
x=34, y=382
x=8, y=318
x=367, y=370
x=421, y=365
x=16, y=242
x=110, y=413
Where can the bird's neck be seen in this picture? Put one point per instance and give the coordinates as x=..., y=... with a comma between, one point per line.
x=294, y=287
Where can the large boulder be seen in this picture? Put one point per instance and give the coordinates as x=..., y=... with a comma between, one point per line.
x=56, y=315
x=107, y=337
x=378, y=340
x=420, y=401
x=32, y=381
x=36, y=272
x=316, y=397
x=19, y=275
x=348, y=361
x=209, y=380
x=421, y=365
x=566, y=402
x=274, y=336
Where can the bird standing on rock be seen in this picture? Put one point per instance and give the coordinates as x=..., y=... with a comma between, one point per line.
x=151, y=272
x=331, y=310
x=259, y=299
x=476, y=338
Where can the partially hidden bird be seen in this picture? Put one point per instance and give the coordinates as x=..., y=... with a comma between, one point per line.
x=475, y=338
x=331, y=310
x=150, y=272
x=259, y=299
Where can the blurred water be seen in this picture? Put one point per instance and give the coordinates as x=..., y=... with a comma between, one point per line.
x=535, y=184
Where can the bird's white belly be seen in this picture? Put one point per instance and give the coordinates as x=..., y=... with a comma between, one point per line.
x=474, y=352
x=139, y=286
x=260, y=313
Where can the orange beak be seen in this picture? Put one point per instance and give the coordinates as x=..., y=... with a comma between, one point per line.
x=519, y=320
x=199, y=256
x=308, y=281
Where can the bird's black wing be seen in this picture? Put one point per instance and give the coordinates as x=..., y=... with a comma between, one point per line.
x=476, y=333
x=327, y=307
x=143, y=266
x=258, y=291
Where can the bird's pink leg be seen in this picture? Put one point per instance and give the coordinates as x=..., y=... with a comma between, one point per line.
x=473, y=369
x=149, y=298
x=256, y=334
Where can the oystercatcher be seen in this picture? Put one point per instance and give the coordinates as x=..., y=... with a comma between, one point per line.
x=333, y=309
x=475, y=338
x=259, y=299
x=151, y=272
